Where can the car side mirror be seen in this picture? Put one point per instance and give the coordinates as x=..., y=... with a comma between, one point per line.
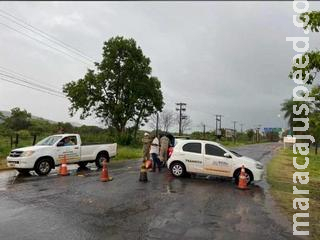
x=60, y=144
x=227, y=155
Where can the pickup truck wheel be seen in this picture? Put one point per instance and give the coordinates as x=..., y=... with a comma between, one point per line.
x=100, y=158
x=82, y=164
x=43, y=167
x=178, y=169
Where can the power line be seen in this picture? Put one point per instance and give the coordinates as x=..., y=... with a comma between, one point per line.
x=30, y=83
x=7, y=70
x=6, y=80
x=44, y=43
x=44, y=35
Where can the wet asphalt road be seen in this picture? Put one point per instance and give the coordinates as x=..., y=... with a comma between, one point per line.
x=79, y=206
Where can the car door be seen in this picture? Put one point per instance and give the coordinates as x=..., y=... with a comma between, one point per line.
x=71, y=150
x=215, y=162
x=193, y=156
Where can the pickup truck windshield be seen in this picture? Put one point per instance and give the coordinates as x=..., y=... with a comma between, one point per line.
x=48, y=141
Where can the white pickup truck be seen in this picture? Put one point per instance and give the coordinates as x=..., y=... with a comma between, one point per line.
x=49, y=152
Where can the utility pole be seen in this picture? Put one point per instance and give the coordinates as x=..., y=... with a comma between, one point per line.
x=181, y=108
x=234, y=131
x=157, y=125
x=241, y=124
x=258, y=133
x=218, y=125
x=204, y=131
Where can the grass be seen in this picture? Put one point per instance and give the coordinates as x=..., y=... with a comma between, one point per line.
x=128, y=152
x=280, y=177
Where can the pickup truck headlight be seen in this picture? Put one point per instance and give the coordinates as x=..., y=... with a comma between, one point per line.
x=27, y=153
x=259, y=166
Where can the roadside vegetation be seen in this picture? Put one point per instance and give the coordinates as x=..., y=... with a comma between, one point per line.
x=20, y=130
x=280, y=177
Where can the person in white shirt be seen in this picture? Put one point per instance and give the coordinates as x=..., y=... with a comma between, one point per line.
x=154, y=151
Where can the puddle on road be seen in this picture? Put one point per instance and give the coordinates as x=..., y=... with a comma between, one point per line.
x=9, y=178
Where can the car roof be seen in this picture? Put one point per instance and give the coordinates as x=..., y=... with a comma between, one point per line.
x=184, y=141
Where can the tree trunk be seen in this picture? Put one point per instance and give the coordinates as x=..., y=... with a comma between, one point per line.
x=137, y=124
x=316, y=149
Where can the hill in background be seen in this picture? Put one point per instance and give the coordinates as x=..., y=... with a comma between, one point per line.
x=8, y=114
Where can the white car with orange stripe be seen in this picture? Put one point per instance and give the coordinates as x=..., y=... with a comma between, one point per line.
x=211, y=158
x=49, y=152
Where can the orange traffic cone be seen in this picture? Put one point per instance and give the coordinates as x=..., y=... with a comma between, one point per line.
x=104, y=173
x=242, y=179
x=63, y=171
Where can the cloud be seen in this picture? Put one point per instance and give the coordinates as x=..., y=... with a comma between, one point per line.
x=224, y=58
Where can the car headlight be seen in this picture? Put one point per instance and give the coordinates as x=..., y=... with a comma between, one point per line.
x=27, y=153
x=259, y=166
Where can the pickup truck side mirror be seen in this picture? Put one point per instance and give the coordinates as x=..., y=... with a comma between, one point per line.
x=227, y=155
x=60, y=144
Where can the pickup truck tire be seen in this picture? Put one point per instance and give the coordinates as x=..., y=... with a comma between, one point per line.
x=178, y=169
x=43, y=166
x=82, y=164
x=100, y=158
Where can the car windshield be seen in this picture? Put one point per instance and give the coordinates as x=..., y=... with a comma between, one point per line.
x=49, y=141
x=235, y=153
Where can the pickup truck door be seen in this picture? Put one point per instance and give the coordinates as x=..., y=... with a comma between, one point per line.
x=214, y=161
x=70, y=149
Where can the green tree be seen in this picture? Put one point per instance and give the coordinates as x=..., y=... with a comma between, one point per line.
x=18, y=120
x=2, y=117
x=314, y=20
x=121, y=90
x=288, y=108
x=314, y=118
x=315, y=128
x=250, y=134
x=311, y=21
x=40, y=127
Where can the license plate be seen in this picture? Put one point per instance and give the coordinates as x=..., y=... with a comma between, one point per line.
x=11, y=164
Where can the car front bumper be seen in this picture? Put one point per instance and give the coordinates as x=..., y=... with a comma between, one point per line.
x=258, y=174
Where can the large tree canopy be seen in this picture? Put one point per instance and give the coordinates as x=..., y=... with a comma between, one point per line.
x=121, y=90
x=19, y=119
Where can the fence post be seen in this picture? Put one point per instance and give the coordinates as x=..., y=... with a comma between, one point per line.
x=17, y=140
x=34, y=139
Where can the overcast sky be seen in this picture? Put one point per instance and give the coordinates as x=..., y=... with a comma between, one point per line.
x=218, y=57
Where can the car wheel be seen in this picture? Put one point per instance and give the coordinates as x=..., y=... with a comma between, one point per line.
x=100, y=158
x=43, y=167
x=248, y=175
x=178, y=169
x=82, y=164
